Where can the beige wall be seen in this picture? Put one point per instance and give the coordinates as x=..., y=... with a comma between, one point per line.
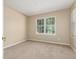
x=73, y=26
x=62, y=27
x=14, y=27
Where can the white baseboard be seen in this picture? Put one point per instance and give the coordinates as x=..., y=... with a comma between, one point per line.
x=73, y=48
x=35, y=40
x=55, y=43
x=14, y=44
x=50, y=42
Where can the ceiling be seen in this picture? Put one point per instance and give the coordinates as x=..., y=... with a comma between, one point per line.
x=34, y=7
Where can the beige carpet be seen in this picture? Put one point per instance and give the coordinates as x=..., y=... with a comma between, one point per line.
x=38, y=50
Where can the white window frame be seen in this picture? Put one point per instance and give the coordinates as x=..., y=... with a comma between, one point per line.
x=45, y=25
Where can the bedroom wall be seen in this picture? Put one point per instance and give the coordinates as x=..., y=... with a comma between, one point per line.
x=14, y=26
x=62, y=27
x=73, y=26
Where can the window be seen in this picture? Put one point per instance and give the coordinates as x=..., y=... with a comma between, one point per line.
x=40, y=26
x=46, y=25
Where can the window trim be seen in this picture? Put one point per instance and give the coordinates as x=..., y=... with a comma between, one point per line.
x=45, y=25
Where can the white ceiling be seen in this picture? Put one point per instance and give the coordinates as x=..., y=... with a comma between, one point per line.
x=33, y=7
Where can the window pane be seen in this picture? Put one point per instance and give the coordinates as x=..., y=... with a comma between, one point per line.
x=53, y=20
x=50, y=29
x=40, y=22
x=40, y=29
x=53, y=29
x=50, y=21
x=46, y=27
x=50, y=25
x=40, y=25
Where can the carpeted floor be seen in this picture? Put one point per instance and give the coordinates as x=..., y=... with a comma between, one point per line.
x=38, y=50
